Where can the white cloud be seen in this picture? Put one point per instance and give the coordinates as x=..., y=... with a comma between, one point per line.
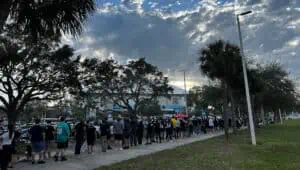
x=171, y=32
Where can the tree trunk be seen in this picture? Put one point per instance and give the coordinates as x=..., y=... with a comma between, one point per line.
x=12, y=115
x=262, y=114
x=226, y=123
x=280, y=116
x=255, y=116
x=276, y=116
x=233, y=108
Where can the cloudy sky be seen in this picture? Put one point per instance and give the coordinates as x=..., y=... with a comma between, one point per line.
x=169, y=33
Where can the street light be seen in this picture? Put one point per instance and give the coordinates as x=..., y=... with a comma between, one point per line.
x=185, y=90
x=250, y=115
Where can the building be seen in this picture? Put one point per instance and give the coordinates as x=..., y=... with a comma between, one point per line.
x=175, y=102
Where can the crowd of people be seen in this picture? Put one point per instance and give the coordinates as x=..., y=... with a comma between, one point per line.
x=119, y=134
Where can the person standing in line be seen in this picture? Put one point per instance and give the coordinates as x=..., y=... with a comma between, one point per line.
x=211, y=125
x=62, y=136
x=173, y=123
x=149, y=132
x=104, y=128
x=70, y=130
x=183, y=127
x=191, y=128
x=140, y=132
x=118, y=133
x=111, y=136
x=163, y=129
x=133, y=133
x=79, y=136
x=91, y=135
x=178, y=123
x=169, y=130
x=17, y=135
x=153, y=119
x=127, y=133
x=37, y=142
x=157, y=124
x=49, y=140
x=5, y=146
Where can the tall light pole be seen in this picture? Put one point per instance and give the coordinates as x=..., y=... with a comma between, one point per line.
x=185, y=94
x=250, y=115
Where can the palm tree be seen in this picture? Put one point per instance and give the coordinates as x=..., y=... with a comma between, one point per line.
x=46, y=17
x=221, y=60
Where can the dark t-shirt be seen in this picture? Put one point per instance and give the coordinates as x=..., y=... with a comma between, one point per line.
x=80, y=131
x=36, y=133
x=104, y=128
x=49, y=133
x=90, y=133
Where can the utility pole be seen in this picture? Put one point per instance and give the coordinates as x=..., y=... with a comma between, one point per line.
x=185, y=94
x=250, y=115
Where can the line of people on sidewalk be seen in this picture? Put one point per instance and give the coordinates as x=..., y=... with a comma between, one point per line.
x=119, y=134
x=124, y=133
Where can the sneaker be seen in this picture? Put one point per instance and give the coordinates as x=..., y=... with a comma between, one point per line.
x=121, y=149
x=41, y=162
x=63, y=158
x=55, y=158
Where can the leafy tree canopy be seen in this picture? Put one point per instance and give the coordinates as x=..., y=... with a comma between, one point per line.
x=128, y=86
x=33, y=71
x=46, y=17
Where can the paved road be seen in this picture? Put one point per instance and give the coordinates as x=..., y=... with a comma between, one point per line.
x=90, y=162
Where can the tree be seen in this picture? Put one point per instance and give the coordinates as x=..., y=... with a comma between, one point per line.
x=212, y=95
x=194, y=96
x=273, y=90
x=222, y=61
x=46, y=17
x=150, y=109
x=39, y=71
x=130, y=86
x=33, y=109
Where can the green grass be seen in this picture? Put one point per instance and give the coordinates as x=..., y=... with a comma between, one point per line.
x=278, y=148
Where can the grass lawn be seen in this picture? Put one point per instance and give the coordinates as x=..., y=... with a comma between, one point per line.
x=278, y=148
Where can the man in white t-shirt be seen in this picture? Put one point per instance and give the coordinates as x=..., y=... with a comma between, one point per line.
x=211, y=124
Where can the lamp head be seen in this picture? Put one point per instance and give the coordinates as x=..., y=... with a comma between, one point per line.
x=245, y=13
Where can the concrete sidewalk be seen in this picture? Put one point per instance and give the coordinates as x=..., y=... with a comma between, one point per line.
x=90, y=162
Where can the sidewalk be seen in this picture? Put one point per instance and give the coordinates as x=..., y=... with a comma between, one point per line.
x=90, y=162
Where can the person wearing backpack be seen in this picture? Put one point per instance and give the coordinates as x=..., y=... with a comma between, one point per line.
x=62, y=136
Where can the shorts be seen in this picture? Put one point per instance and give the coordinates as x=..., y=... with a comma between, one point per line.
x=62, y=145
x=118, y=137
x=90, y=142
x=50, y=145
x=38, y=146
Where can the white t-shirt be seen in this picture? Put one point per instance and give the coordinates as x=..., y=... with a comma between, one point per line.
x=111, y=129
x=6, y=140
x=178, y=123
x=211, y=122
